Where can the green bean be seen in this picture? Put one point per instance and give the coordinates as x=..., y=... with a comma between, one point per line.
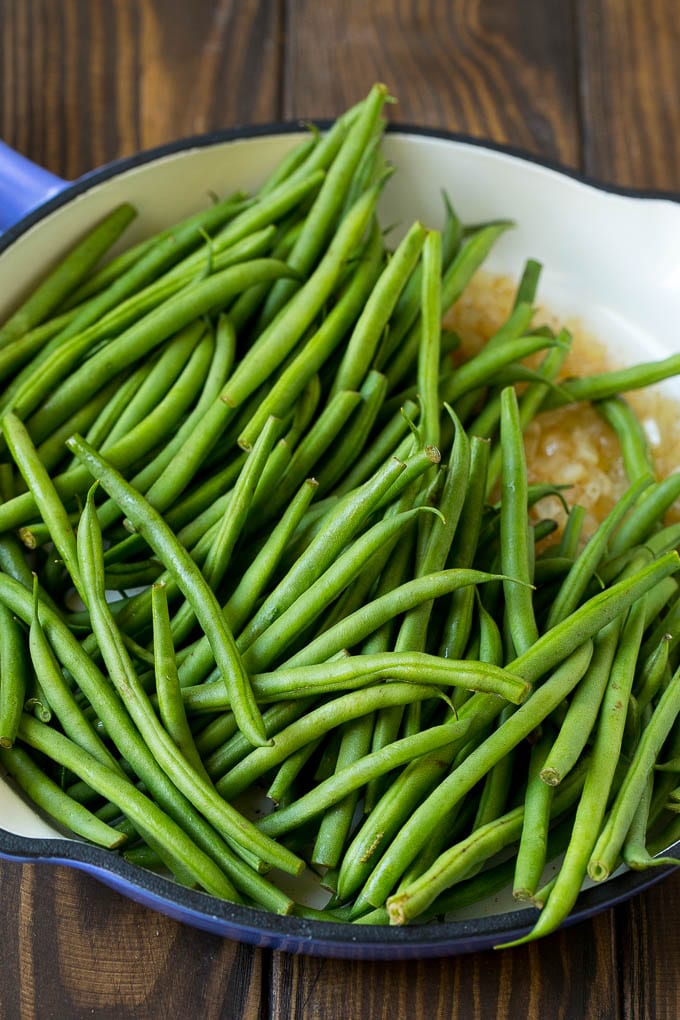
x=586, y=621
x=604, y=385
x=585, y=565
x=232, y=523
x=67, y=274
x=324, y=341
x=637, y=457
x=340, y=525
x=36, y=477
x=61, y=698
x=52, y=450
x=443, y=533
x=246, y=305
x=530, y=400
x=353, y=672
x=645, y=517
x=583, y=710
x=463, y=548
x=355, y=774
x=665, y=629
x=403, y=795
x=382, y=446
x=363, y=342
x=291, y=162
x=15, y=355
x=414, y=834
x=252, y=583
x=143, y=336
x=227, y=820
x=533, y=844
x=329, y=143
x=135, y=267
x=236, y=747
x=114, y=407
x=109, y=708
x=170, y=704
x=335, y=825
x=189, y=579
x=14, y=680
x=272, y=642
x=528, y=284
x=312, y=448
x=407, y=307
x=514, y=532
x=356, y=627
x=354, y=437
x=323, y=216
x=456, y=278
x=48, y=796
x=634, y=851
x=463, y=859
x=161, y=373
x=598, y=782
x=370, y=167
x=494, y=795
x=652, y=673
x=318, y=721
x=429, y=350
x=225, y=342
x=571, y=535
x=216, y=733
x=610, y=840
x=143, y=812
x=267, y=353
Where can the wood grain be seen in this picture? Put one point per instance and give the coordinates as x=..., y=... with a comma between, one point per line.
x=576, y=976
x=80, y=947
x=649, y=937
x=630, y=86
x=493, y=70
x=132, y=75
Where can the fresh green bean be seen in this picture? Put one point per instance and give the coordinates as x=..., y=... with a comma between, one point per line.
x=598, y=782
x=515, y=561
x=37, y=478
x=324, y=341
x=323, y=216
x=48, y=796
x=533, y=844
x=141, y=809
x=573, y=587
x=14, y=681
x=604, y=385
x=353, y=672
x=463, y=859
x=363, y=342
x=170, y=704
x=415, y=833
x=637, y=457
x=189, y=579
x=121, y=670
x=67, y=274
x=610, y=840
x=583, y=710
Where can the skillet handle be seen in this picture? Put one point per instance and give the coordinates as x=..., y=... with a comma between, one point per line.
x=23, y=186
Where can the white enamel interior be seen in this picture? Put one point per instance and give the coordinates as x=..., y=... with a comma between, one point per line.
x=611, y=260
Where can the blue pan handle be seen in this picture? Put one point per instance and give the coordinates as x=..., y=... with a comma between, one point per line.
x=23, y=186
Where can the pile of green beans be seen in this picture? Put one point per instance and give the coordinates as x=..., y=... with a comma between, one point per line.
x=262, y=536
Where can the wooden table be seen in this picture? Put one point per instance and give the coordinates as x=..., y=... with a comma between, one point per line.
x=594, y=85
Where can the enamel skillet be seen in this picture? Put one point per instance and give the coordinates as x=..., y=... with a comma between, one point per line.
x=611, y=258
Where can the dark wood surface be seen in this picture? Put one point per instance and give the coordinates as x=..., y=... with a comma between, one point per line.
x=594, y=84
